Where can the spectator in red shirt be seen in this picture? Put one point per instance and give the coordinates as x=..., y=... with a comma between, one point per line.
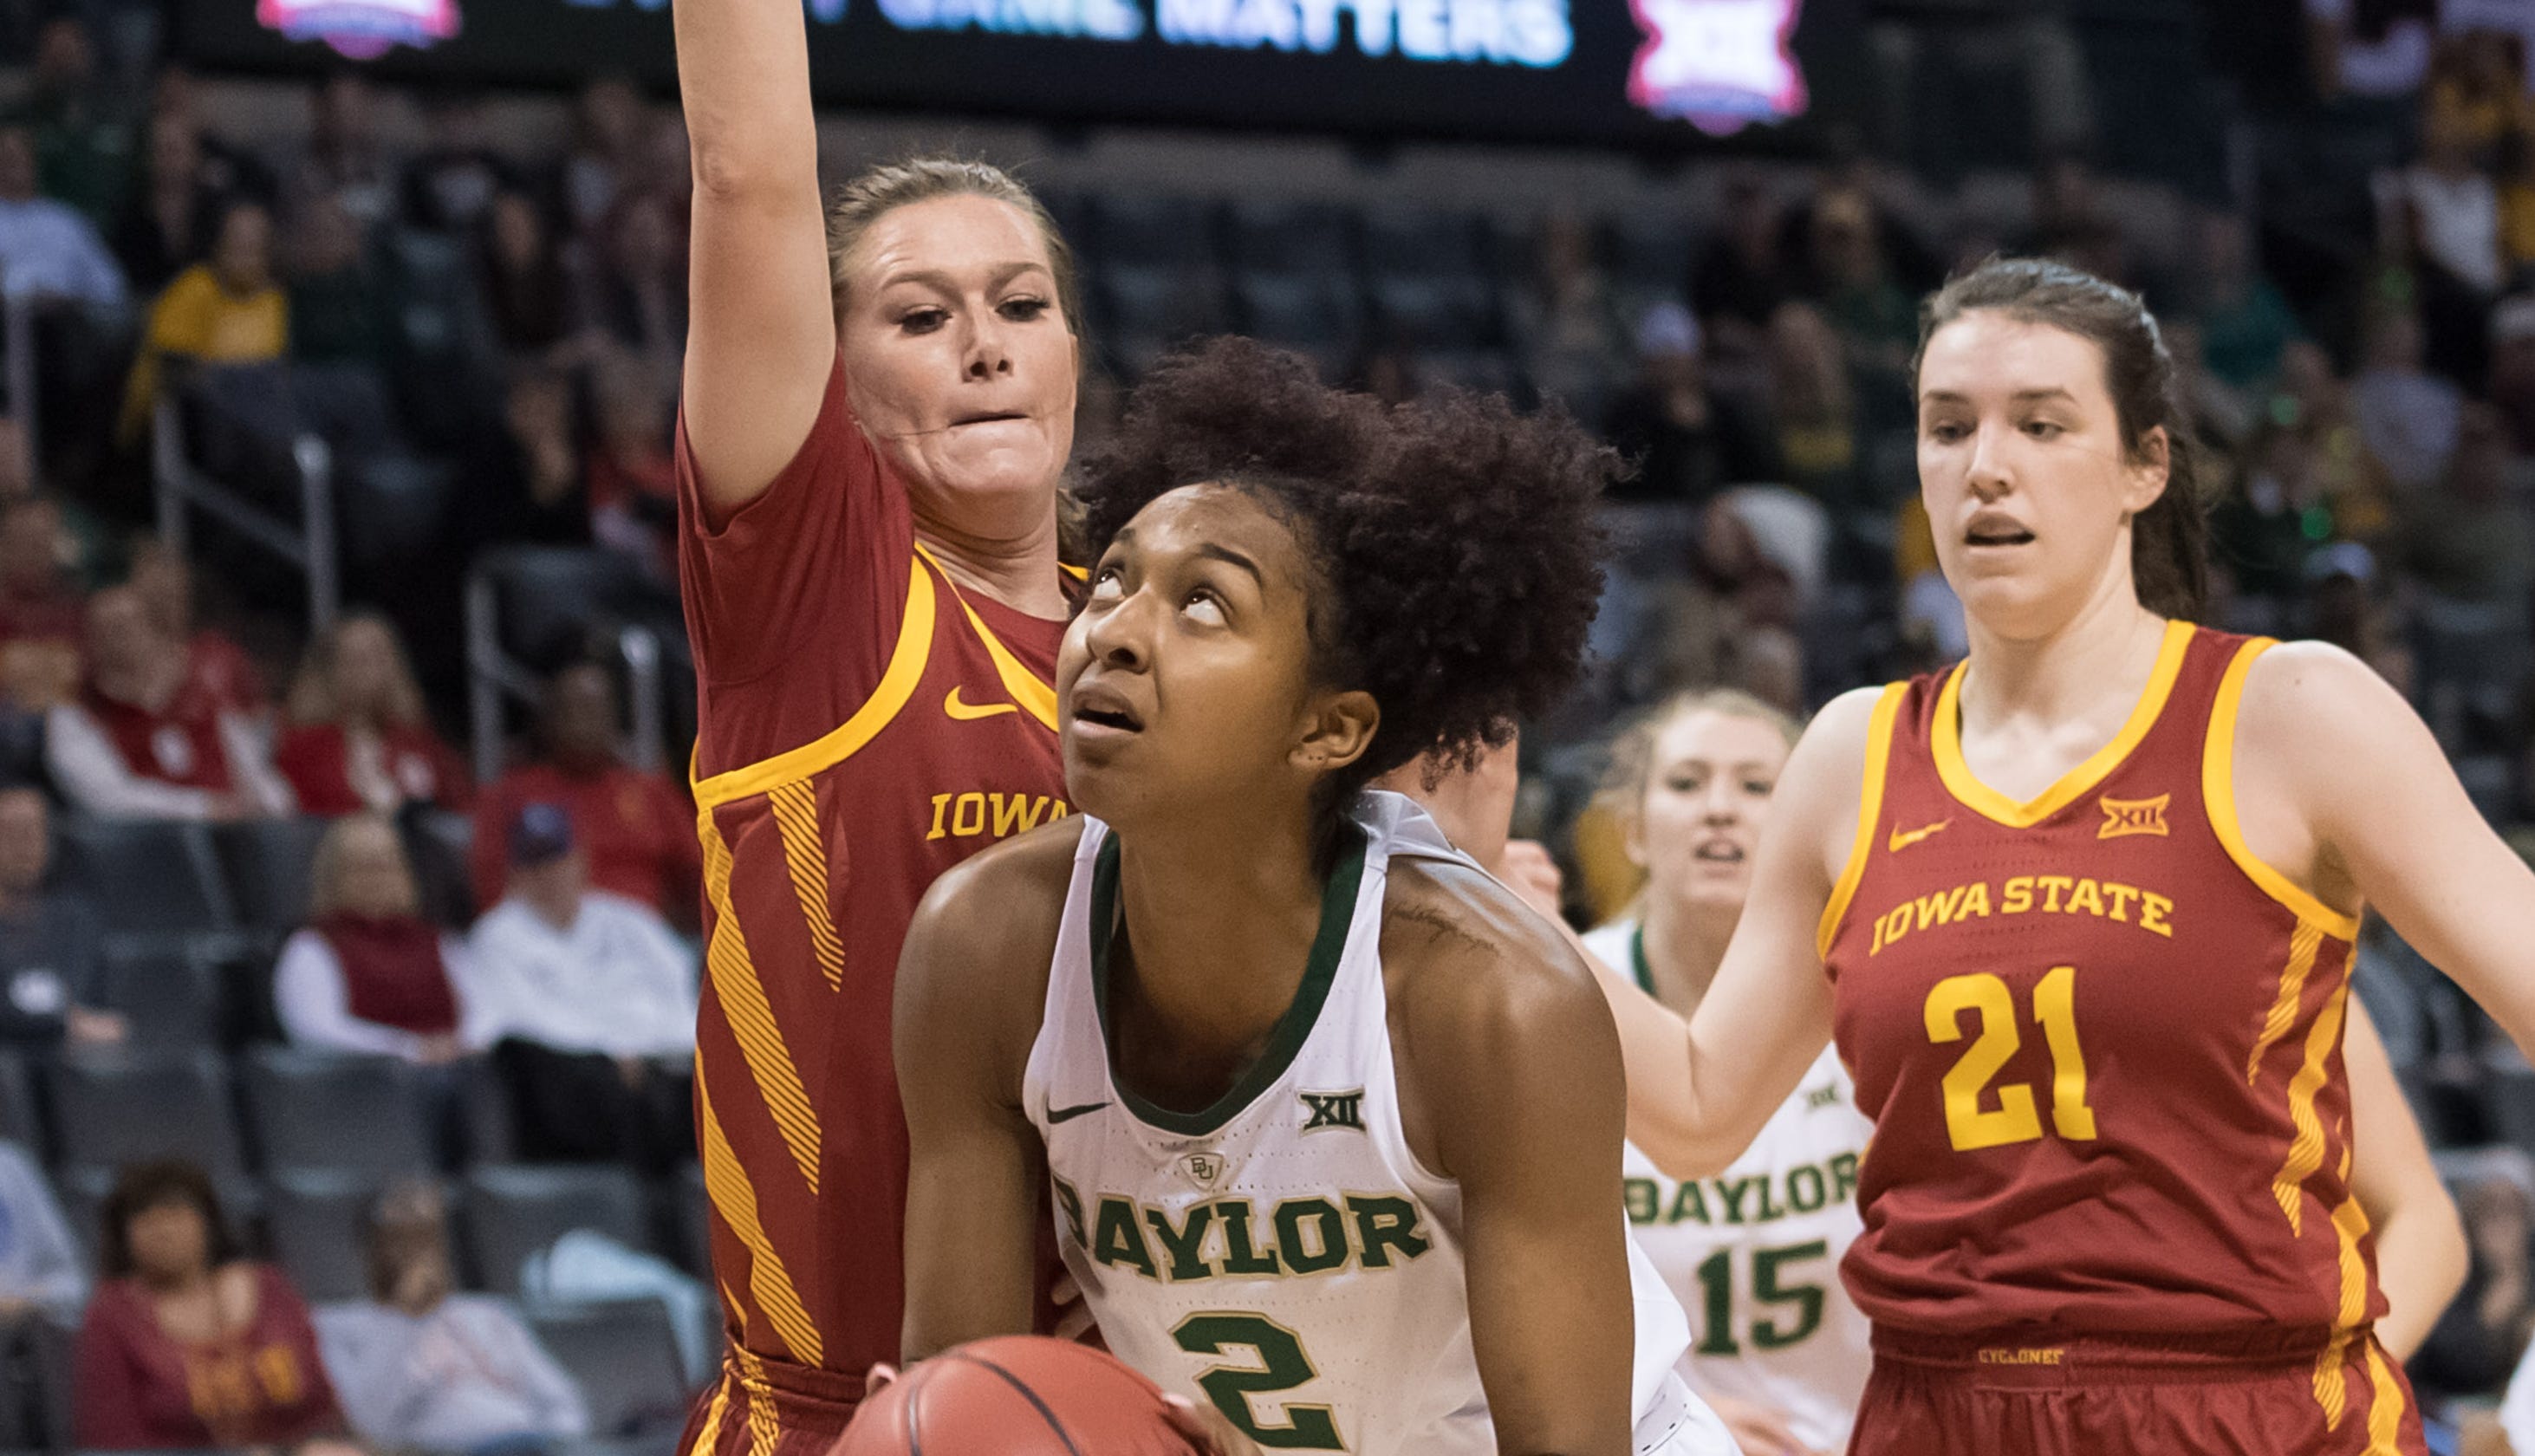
x=359, y=737
x=187, y=1345
x=635, y=826
x=215, y=664
x=41, y=608
x=146, y=739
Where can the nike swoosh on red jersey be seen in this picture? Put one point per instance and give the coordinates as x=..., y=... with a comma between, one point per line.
x=965, y=713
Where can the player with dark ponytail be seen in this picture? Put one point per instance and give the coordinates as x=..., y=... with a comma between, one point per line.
x=2079, y=915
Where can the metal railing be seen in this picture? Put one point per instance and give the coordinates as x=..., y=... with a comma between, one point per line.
x=495, y=678
x=306, y=544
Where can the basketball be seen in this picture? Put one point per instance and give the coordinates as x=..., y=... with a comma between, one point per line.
x=1018, y=1395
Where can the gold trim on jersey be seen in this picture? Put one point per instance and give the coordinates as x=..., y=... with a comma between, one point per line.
x=804, y=853
x=1035, y=696
x=2304, y=942
x=727, y=1184
x=906, y=663
x=2218, y=794
x=1947, y=743
x=751, y=1016
x=2306, y=1149
x=1870, y=812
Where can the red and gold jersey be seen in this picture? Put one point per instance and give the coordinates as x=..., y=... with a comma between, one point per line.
x=864, y=726
x=2100, y=1041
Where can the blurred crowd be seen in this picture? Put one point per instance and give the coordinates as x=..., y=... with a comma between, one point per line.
x=487, y=338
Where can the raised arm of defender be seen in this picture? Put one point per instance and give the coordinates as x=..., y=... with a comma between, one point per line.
x=1769, y=1014
x=761, y=336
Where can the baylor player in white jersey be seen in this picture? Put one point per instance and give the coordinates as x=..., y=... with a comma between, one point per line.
x=1327, y=1122
x=1754, y=1253
x=1285, y=1249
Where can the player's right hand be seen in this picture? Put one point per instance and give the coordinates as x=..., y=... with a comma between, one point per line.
x=1206, y=1429
x=1758, y=1429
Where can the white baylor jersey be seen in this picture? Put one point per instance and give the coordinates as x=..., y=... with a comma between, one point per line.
x=1755, y=1254
x=1281, y=1253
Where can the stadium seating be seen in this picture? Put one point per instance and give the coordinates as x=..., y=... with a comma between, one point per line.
x=266, y=866
x=313, y=1109
x=317, y=1222
x=625, y=1355
x=155, y=876
x=113, y=1109
x=170, y=996
x=516, y=1210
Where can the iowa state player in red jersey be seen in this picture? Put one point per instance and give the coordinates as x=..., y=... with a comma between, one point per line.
x=2086, y=904
x=868, y=466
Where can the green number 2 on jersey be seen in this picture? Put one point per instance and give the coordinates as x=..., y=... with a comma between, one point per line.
x=1283, y=1366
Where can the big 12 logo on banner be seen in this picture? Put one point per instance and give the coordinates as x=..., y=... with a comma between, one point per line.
x=1719, y=65
x=361, y=28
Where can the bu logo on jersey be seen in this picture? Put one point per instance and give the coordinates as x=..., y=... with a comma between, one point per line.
x=1334, y=1109
x=1206, y=1170
x=2133, y=817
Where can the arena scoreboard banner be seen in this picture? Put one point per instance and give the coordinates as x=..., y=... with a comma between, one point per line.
x=1639, y=73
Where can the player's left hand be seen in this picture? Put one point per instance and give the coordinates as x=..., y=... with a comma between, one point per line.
x=1206, y=1429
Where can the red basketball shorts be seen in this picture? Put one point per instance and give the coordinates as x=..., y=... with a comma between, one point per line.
x=2100, y=1398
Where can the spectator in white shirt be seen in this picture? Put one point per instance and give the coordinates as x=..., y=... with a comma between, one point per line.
x=146, y=740
x=49, y=249
x=422, y=1369
x=369, y=975
x=594, y=1000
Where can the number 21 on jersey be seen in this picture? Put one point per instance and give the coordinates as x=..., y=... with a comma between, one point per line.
x=1968, y=1124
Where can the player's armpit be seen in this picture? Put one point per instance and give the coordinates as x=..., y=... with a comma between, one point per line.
x=2385, y=812
x=967, y=1007
x=1518, y=1065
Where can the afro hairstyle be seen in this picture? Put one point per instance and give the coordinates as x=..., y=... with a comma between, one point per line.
x=1456, y=541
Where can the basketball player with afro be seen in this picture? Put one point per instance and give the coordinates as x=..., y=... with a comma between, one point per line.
x=1331, y=1120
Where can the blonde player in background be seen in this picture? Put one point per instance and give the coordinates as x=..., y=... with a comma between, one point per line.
x=1754, y=1252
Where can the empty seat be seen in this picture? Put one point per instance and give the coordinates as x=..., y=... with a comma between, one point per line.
x=351, y=1113
x=1153, y=229
x=550, y=600
x=1298, y=308
x=516, y=1210
x=318, y=1222
x=168, y=997
x=266, y=864
x=624, y=1355
x=134, y=1107
x=147, y=875
x=1292, y=238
